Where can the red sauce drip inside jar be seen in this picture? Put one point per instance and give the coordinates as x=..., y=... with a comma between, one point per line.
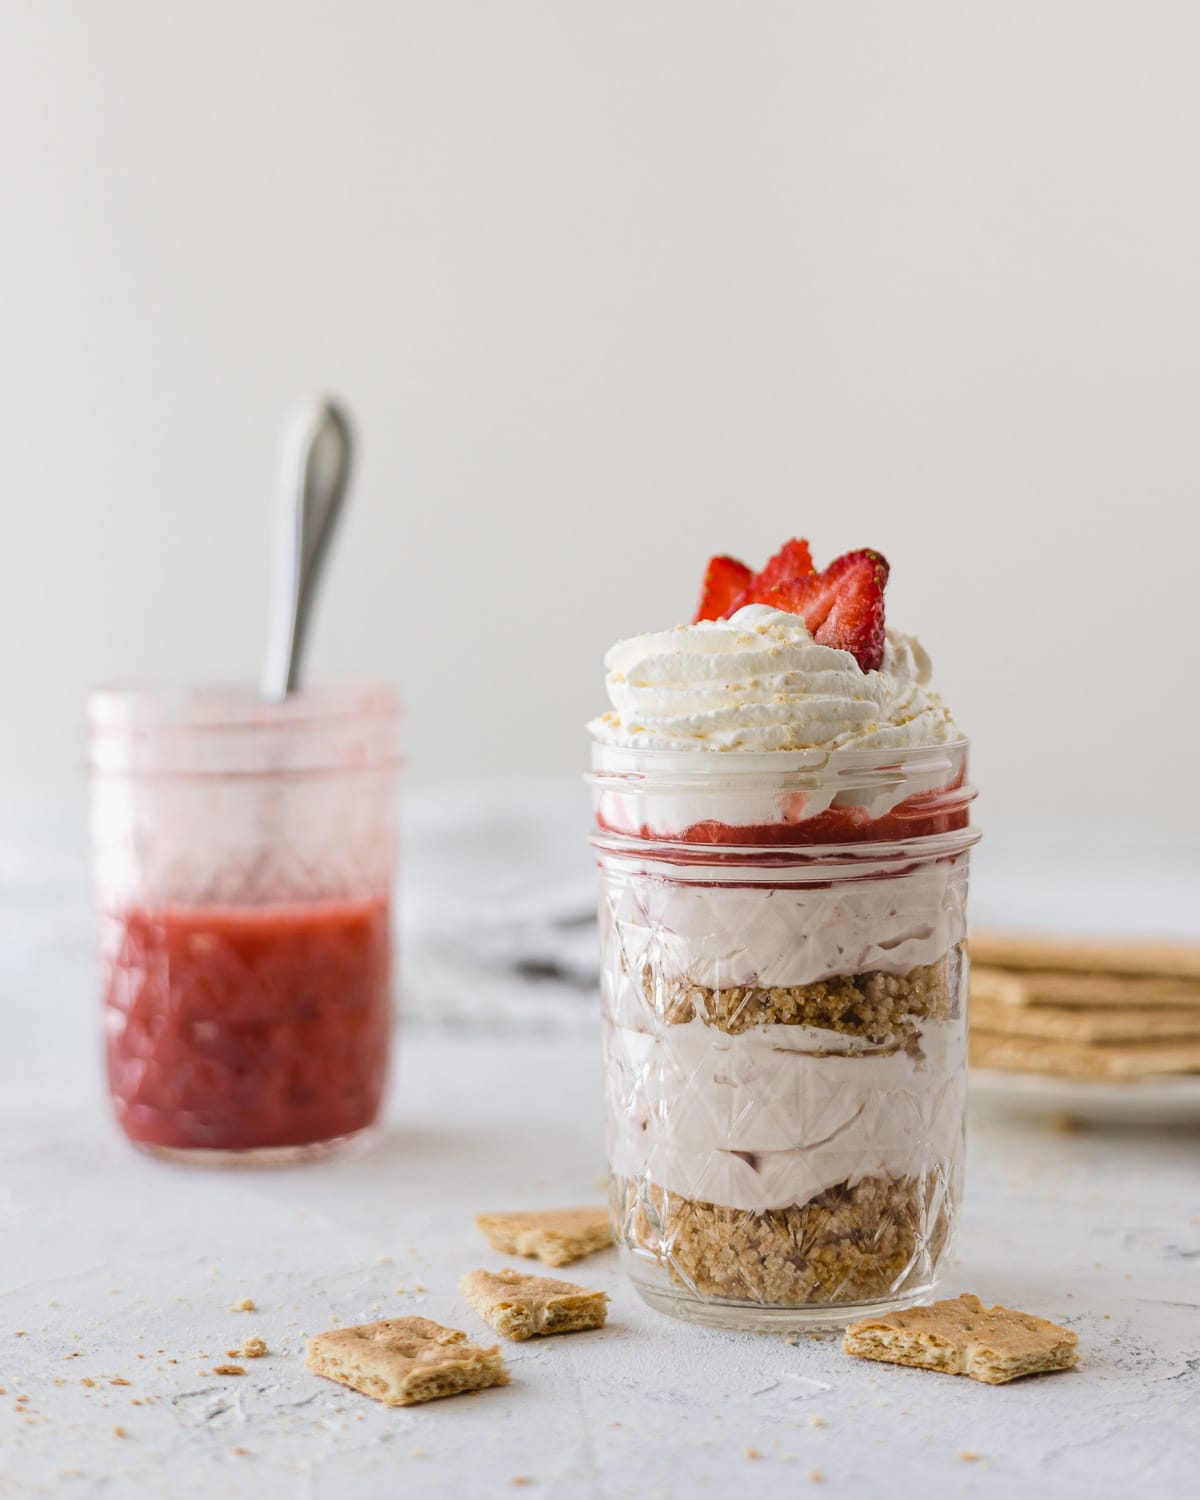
x=919, y=816
x=244, y=1028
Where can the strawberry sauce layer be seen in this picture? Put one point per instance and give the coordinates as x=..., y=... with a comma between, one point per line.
x=235, y=1028
x=921, y=816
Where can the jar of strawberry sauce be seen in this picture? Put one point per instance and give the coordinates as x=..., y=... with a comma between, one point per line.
x=244, y=854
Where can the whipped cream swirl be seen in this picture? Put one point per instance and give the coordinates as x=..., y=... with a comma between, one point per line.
x=758, y=681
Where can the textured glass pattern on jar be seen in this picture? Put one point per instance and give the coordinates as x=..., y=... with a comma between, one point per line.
x=244, y=858
x=785, y=1063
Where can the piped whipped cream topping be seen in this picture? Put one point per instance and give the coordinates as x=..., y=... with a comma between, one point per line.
x=758, y=681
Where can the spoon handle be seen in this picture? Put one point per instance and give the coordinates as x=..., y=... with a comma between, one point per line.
x=314, y=470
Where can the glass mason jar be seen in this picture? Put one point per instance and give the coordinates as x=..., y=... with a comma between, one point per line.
x=244, y=855
x=784, y=988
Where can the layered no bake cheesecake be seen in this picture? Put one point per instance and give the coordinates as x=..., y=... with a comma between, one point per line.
x=782, y=830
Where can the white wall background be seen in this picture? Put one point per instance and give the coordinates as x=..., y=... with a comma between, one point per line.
x=610, y=286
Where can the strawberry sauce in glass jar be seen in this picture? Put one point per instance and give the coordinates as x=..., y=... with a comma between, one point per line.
x=244, y=856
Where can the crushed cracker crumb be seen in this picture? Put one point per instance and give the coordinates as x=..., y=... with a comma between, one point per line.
x=254, y=1347
x=247, y=1304
x=751, y=1453
x=968, y=1456
x=119, y=1432
x=228, y=1370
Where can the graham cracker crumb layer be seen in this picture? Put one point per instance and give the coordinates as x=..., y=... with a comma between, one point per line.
x=876, y=1006
x=856, y=1243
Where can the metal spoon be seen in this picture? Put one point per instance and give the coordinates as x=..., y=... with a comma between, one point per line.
x=314, y=470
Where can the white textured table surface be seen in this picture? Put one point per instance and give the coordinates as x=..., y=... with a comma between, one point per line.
x=116, y=1266
x=106, y=1256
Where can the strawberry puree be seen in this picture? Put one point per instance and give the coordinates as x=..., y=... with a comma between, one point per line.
x=236, y=1028
x=917, y=817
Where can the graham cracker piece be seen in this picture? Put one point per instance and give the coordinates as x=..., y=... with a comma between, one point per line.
x=1114, y=1061
x=1066, y=1023
x=1086, y=954
x=402, y=1361
x=518, y=1307
x=1083, y=990
x=962, y=1337
x=555, y=1236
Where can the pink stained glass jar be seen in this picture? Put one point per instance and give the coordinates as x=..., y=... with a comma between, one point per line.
x=244, y=854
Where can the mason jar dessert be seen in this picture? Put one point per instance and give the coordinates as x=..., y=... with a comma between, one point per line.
x=782, y=830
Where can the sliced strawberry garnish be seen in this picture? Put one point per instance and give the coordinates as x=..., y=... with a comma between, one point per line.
x=725, y=580
x=793, y=560
x=843, y=606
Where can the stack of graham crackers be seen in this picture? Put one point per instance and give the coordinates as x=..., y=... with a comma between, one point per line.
x=1085, y=1008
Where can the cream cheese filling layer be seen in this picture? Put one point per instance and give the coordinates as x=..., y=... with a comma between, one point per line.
x=720, y=936
x=774, y=1117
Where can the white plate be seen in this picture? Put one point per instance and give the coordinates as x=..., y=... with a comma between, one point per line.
x=1145, y=1101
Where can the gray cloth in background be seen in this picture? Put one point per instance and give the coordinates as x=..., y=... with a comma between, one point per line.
x=497, y=907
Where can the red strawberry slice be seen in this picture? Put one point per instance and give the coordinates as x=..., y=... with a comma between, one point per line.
x=793, y=560
x=724, y=582
x=843, y=606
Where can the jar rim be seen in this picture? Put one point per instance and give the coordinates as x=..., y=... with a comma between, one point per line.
x=149, y=708
x=817, y=862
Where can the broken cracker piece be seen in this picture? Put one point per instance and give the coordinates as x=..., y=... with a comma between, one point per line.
x=403, y=1361
x=556, y=1236
x=254, y=1347
x=518, y=1307
x=962, y=1337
